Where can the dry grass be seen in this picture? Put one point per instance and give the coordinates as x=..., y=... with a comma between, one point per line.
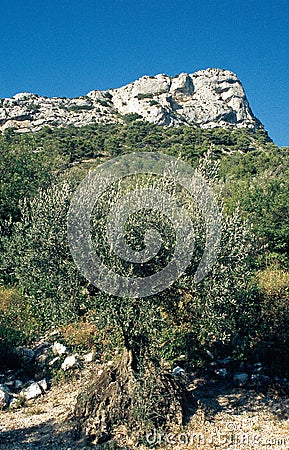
x=80, y=334
x=8, y=297
x=274, y=282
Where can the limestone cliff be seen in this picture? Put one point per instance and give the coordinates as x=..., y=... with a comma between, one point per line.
x=207, y=98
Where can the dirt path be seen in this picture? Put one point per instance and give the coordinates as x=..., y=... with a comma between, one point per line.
x=236, y=418
x=225, y=418
x=44, y=423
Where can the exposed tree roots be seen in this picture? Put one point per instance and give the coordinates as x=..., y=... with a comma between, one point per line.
x=121, y=396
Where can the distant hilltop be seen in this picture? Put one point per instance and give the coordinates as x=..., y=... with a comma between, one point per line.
x=208, y=98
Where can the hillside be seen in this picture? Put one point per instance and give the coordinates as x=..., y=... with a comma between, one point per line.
x=228, y=336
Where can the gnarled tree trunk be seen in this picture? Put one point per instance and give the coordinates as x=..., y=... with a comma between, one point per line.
x=114, y=399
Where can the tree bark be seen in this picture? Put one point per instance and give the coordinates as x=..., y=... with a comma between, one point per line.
x=114, y=399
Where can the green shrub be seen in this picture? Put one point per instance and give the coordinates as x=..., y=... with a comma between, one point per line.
x=144, y=96
x=16, y=325
x=23, y=168
x=274, y=289
x=38, y=257
x=104, y=102
x=271, y=341
x=79, y=108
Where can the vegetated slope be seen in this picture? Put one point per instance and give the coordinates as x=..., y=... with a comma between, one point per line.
x=253, y=169
x=40, y=287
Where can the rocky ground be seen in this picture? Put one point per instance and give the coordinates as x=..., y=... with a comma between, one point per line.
x=226, y=417
x=237, y=405
x=44, y=422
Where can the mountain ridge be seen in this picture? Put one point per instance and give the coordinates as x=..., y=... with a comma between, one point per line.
x=208, y=98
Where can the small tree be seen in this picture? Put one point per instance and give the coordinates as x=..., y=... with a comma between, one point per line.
x=39, y=260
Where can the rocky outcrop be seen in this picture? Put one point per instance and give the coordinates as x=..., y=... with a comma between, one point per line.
x=207, y=98
x=34, y=373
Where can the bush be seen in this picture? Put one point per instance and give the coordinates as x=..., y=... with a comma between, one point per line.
x=80, y=108
x=144, y=96
x=217, y=314
x=16, y=325
x=24, y=168
x=272, y=337
x=37, y=258
x=258, y=183
x=274, y=290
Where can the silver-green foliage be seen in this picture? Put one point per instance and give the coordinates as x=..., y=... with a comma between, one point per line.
x=218, y=309
x=39, y=260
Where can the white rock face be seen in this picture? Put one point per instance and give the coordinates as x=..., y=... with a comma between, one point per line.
x=43, y=384
x=207, y=98
x=59, y=349
x=70, y=362
x=32, y=391
x=4, y=397
x=88, y=357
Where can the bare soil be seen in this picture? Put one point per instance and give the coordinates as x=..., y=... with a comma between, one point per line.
x=226, y=417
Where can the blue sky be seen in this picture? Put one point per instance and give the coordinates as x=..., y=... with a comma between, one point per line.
x=68, y=47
